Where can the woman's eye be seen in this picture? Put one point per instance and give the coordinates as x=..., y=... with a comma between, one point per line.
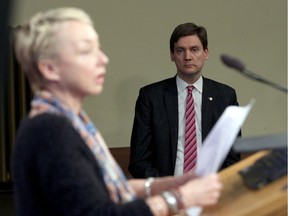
x=86, y=51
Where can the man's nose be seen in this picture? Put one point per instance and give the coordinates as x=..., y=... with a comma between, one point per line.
x=188, y=55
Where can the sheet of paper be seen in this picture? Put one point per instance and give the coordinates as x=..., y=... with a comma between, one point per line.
x=219, y=141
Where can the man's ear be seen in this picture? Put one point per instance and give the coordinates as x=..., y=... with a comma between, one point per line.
x=48, y=69
x=172, y=56
x=206, y=51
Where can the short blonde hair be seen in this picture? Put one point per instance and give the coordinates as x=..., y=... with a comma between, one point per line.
x=34, y=40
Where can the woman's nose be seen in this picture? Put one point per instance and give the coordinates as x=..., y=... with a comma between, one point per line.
x=104, y=58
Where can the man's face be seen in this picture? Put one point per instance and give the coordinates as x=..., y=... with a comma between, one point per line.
x=189, y=57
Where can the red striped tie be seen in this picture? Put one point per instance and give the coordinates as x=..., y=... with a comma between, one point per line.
x=190, y=149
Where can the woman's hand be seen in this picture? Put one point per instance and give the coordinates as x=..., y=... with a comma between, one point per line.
x=201, y=191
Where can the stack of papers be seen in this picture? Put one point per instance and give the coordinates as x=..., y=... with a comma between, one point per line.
x=219, y=142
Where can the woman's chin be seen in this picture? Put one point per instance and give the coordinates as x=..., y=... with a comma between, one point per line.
x=98, y=90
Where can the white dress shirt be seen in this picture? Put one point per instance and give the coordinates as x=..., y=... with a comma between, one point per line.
x=182, y=95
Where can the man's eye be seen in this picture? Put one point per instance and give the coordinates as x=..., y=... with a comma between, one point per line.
x=179, y=51
x=195, y=50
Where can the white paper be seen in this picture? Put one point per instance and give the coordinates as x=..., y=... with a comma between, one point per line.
x=219, y=141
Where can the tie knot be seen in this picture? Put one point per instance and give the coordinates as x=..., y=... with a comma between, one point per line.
x=189, y=89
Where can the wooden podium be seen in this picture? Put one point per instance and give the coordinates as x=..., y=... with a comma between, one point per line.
x=238, y=200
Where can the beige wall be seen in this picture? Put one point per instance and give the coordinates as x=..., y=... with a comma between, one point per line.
x=135, y=35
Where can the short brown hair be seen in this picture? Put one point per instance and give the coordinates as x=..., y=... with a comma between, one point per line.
x=187, y=29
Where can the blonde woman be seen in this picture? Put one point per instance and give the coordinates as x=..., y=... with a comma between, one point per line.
x=61, y=164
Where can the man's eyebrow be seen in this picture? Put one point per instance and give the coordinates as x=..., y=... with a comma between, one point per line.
x=190, y=47
x=179, y=47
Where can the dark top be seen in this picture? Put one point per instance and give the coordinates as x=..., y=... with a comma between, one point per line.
x=155, y=129
x=55, y=173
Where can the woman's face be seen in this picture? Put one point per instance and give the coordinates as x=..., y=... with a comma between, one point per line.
x=80, y=62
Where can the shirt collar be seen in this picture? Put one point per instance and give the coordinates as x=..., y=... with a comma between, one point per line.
x=181, y=84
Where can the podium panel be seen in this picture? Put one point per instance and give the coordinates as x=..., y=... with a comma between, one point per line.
x=239, y=200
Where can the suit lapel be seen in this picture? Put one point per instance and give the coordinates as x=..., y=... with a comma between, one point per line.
x=208, y=107
x=171, y=105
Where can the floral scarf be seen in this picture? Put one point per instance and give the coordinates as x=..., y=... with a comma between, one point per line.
x=115, y=180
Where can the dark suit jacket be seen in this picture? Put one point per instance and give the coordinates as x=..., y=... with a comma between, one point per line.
x=155, y=129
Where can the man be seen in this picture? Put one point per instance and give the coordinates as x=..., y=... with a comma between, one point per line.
x=158, y=135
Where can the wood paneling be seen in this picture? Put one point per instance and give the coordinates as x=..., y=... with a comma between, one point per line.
x=121, y=155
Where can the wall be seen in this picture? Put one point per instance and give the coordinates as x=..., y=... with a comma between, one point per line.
x=135, y=34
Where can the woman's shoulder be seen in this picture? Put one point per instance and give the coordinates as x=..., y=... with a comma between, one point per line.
x=45, y=121
x=44, y=127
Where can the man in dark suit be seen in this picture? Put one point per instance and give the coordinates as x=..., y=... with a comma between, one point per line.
x=157, y=141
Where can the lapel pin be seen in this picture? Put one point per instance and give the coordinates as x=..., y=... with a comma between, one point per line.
x=210, y=98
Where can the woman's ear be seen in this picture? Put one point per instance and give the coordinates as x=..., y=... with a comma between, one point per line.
x=48, y=69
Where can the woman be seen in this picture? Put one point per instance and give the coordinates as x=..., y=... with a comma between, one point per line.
x=62, y=165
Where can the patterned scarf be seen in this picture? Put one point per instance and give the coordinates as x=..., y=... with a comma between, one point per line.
x=114, y=178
